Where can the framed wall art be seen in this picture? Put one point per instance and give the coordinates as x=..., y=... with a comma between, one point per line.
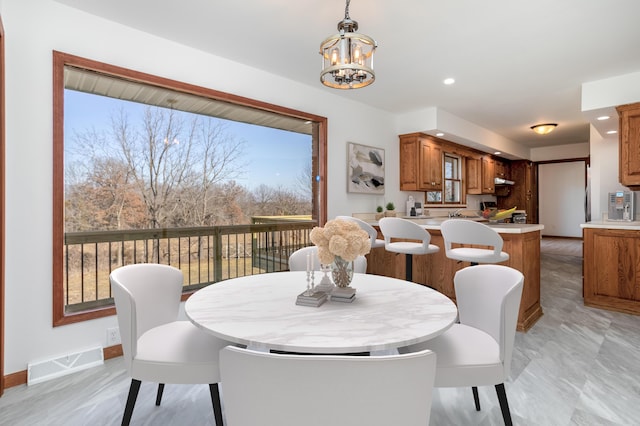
x=365, y=169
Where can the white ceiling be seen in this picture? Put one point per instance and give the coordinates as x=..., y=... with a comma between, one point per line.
x=516, y=62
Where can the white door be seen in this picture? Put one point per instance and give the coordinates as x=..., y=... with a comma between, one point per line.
x=561, y=198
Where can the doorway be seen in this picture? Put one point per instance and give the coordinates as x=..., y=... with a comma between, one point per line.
x=561, y=197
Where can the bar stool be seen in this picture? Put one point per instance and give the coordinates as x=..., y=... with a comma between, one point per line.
x=375, y=242
x=394, y=228
x=461, y=231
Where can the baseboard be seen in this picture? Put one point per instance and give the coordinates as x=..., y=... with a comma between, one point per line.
x=561, y=237
x=15, y=379
x=20, y=377
x=112, y=351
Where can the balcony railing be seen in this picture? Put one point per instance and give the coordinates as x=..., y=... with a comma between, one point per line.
x=204, y=254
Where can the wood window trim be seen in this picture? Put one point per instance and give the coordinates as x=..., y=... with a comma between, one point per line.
x=60, y=60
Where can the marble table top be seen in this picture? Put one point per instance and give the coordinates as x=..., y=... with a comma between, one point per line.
x=260, y=311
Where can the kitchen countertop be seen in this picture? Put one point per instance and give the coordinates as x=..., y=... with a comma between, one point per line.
x=501, y=228
x=607, y=224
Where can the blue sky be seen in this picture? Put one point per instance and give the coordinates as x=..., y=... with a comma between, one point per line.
x=273, y=157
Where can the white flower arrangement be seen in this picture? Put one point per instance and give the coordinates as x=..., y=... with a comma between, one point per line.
x=340, y=238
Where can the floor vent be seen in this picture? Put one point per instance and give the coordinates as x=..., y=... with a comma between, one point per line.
x=66, y=364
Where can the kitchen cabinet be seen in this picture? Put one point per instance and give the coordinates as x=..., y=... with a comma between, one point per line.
x=481, y=172
x=437, y=271
x=420, y=163
x=488, y=174
x=629, y=145
x=524, y=193
x=502, y=169
x=610, y=267
x=473, y=175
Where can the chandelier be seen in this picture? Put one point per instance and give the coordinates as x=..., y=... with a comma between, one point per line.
x=347, y=57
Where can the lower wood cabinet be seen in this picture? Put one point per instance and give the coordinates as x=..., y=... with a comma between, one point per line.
x=437, y=271
x=611, y=268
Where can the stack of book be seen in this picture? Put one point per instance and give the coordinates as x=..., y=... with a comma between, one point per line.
x=316, y=299
x=343, y=294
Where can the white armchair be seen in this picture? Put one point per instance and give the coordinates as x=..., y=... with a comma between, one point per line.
x=298, y=260
x=318, y=390
x=477, y=352
x=156, y=346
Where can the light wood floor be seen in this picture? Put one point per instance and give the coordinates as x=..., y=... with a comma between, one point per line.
x=561, y=246
x=576, y=366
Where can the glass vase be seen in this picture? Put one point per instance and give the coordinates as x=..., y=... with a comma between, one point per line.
x=341, y=272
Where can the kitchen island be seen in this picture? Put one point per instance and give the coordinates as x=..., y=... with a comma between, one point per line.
x=521, y=242
x=610, y=265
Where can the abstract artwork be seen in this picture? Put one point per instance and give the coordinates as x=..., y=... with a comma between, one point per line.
x=365, y=169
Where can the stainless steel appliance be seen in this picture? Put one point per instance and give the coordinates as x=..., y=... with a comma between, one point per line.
x=491, y=205
x=519, y=218
x=621, y=206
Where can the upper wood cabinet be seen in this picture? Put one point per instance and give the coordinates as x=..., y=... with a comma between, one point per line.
x=629, y=155
x=502, y=169
x=431, y=157
x=488, y=174
x=420, y=163
x=473, y=175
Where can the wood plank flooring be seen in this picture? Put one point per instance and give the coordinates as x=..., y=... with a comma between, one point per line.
x=575, y=366
x=561, y=246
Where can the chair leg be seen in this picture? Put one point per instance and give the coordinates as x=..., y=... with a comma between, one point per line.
x=408, y=267
x=131, y=401
x=504, y=405
x=215, y=400
x=159, y=394
x=476, y=399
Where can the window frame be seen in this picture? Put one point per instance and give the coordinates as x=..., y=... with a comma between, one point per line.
x=458, y=173
x=60, y=60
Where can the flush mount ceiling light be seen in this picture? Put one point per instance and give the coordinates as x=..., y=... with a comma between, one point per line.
x=543, y=129
x=347, y=57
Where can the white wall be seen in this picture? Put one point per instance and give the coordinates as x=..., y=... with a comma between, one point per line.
x=560, y=152
x=604, y=172
x=33, y=28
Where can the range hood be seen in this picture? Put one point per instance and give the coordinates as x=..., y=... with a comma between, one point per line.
x=500, y=181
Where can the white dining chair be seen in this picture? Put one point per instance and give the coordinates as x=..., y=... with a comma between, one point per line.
x=373, y=234
x=156, y=346
x=477, y=351
x=394, y=228
x=298, y=260
x=317, y=390
x=469, y=232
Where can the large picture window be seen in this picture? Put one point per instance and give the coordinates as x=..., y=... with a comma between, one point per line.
x=153, y=170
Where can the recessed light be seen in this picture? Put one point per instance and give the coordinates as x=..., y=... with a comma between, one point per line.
x=439, y=134
x=612, y=132
x=449, y=81
x=497, y=153
x=603, y=117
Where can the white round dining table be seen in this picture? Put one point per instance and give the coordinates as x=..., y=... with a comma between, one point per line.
x=259, y=311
